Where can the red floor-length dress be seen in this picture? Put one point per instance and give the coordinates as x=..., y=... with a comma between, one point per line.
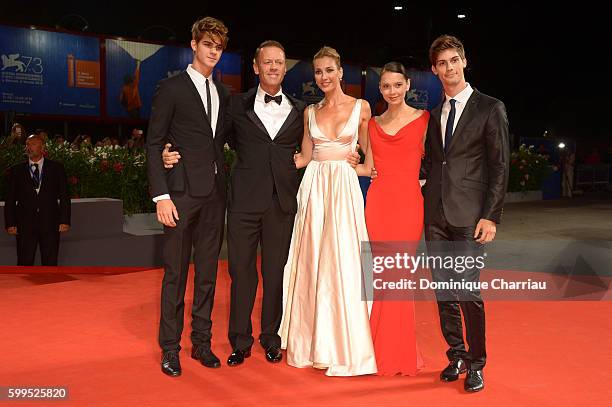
x=394, y=213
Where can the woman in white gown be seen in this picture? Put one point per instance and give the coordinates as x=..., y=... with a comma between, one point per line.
x=325, y=321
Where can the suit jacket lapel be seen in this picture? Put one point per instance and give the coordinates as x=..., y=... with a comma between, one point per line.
x=223, y=95
x=249, y=107
x=194, y=93
x=293, y=115
x=466, y=116
x=43, y=174
x=28, y=175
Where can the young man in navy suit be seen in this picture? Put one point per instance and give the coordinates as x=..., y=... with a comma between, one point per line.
x=467, y=164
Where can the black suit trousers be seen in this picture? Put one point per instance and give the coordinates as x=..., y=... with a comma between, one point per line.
x=272, y=229
x=29, y=238
x=200, y=226
x=444, y=239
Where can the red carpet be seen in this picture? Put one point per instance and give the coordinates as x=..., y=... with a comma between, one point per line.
x=69, y=270
x=96, y=334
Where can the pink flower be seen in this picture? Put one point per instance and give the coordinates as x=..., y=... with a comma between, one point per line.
x=118, y=167
x=104, y=165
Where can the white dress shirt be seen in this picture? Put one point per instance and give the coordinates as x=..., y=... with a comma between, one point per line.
x=461, y=101
x=40, y=170
x=199, y=81
x=271, y=114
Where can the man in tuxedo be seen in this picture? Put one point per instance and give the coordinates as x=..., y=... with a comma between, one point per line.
x=267, y=127
x=467, y=165
x=188, y=111
x=37, y=205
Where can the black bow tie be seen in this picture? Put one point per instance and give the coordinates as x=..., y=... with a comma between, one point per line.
x=278, y=99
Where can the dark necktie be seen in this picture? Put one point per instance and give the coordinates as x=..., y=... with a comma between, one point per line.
x=278, y=99
x=208, y=102
x=36, y=176
x=449, y=125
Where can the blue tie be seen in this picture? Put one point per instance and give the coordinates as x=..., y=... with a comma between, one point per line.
x=36, y=176
x=449, y=125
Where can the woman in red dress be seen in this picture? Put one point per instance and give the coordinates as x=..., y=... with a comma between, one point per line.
x=394, y=213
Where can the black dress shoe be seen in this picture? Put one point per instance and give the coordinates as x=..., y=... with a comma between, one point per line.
x=237, y=357
x=474, y=381
x=170, y=364
x=453, y=370
x=274, y=354
x=205, y=356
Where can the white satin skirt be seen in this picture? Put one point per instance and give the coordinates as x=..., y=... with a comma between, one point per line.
x=325, y=320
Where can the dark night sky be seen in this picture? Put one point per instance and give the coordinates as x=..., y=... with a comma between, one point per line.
x=544, y=64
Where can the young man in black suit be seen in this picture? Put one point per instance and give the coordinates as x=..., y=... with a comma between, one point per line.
x=188, y=111
x=467, y=165
x=37, y=205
